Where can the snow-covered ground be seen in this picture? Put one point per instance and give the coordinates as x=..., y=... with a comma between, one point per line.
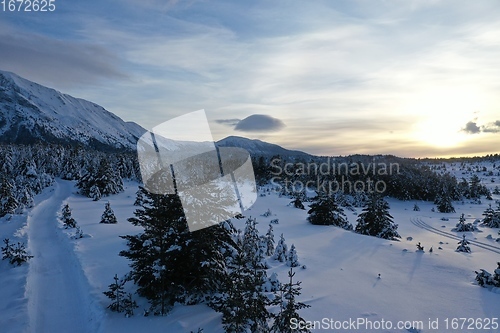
x=60, y=290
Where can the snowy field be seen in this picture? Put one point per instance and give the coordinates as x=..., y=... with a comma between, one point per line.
x=60, y=290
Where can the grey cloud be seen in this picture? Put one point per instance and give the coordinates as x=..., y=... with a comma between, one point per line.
x=492, y=128
x=471, y=128
x=230, y=122
x=259, y=123
x=55, y=62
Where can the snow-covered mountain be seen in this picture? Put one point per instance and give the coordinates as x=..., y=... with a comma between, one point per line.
x=32, y=113
x=258, y=148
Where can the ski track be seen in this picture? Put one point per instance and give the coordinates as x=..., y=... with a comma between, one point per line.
x=57, y=289
x=421, y=224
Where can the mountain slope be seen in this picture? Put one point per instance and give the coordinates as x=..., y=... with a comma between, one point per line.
x=257, y=148
x=31, y=113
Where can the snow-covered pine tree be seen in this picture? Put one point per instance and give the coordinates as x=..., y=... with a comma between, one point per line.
x=273, y=284
x=492, y=217
x=95, y=193
x=15, y=254
x=463, y=245
x=116, y=293
x=8, y=201
x=281, y=251
x=102, y=181
x=169, y=263
x=289, y=307
x=325, y=211
x=496, y=190
x=462, y=226
x=292, y=259
x=486, y=279
x=108, y=179
x=297, y=203
x=444, y=202
x=375, y=220
x=7, y=249
x=270, y=241
x=108, y=216
x=78, y=232
x=252, y=245
x=67, y=220
x=139, y=198
x=243, y=303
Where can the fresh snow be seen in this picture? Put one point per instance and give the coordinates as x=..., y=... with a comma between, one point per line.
x=65, y=280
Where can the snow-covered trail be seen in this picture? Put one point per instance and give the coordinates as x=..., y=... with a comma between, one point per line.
x=57, y=289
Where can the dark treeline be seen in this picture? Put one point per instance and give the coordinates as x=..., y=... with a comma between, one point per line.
x=357, y=175
x=27, y=169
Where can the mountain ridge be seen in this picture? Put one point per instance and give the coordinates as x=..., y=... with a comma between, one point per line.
x=32, y=113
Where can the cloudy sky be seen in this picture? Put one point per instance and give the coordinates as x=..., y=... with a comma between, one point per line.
x=411, y=78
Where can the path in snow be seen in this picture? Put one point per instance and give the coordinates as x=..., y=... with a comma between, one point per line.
x=57, y=289
x=421, y=224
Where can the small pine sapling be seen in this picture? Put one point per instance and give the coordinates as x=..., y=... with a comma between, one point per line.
x=292, y=258
x=108, y=216
x=66, y=218
x=15, y=254
x=78, y=232
x=120, y=300
x=463, y=245
x=281, y=250
x=7, y=249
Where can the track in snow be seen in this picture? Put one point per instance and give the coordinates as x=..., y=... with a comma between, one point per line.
x=57, y=289
x=421, y=224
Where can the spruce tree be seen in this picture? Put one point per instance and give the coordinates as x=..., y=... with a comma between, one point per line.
x=463, y=245
x=325, y=211
x=270, y=241
x=108, y=216
x=462, y=226
x=116, y=294
x=444, y=203
x=66, y=218
x=95, y=193
x=292, y=259
x=15, y=254
x=491, y=217
x=252, y=245
x=289, y=308
x=169, y=263
x=281, y=251
x=139, y=199
x=243, y=303
x=8, y=201
x=375, y=220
